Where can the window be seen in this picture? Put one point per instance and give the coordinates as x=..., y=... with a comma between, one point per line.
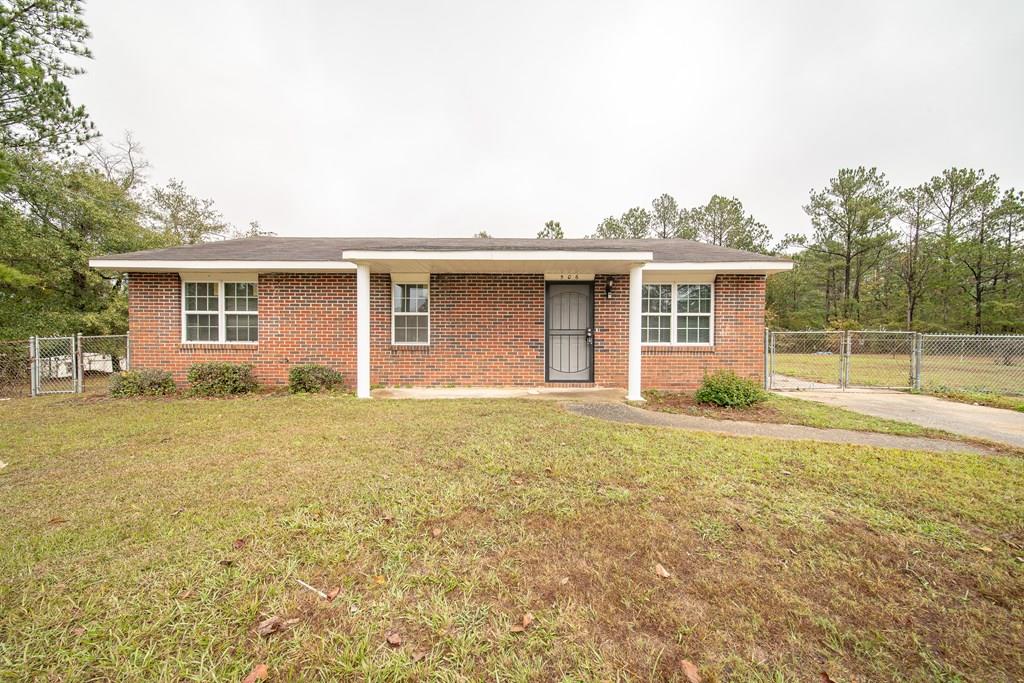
x=656, y=310
x=410, y=317
x=677, y=314
x=220, y=312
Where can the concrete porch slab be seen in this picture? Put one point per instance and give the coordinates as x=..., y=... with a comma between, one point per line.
x=596, y=394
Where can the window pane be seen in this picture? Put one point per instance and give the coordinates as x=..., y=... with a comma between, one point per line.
x=200, y=296
x=693, y=298
x=410, y=298
x=200, y=327
x=693, y=329
x=241, y=327
x=240, y=296
x=411, y=329
x=656, y=299
x=655, y=329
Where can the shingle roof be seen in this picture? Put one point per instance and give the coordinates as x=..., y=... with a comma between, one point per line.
x=331, y=248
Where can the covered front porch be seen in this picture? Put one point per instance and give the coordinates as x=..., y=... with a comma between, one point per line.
x=497, y=319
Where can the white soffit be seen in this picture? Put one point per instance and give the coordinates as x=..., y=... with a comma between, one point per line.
x=726, y=267
x=496, y=255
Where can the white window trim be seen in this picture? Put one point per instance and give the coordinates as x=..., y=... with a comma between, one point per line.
x=221, y=313
x=430, y=306
x=675, y=316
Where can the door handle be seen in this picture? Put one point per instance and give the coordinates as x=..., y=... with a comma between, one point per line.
x=590, y=335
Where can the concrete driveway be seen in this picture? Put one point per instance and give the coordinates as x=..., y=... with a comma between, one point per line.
x=994, y=424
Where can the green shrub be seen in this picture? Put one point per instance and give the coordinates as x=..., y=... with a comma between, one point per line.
x=142, y=383
x=220, y=379
x=725, y=389
x=310, y=378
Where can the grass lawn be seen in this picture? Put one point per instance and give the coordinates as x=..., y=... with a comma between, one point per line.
x=785, y=410
x=983, y=399
x=884, y=370
x=145, y=540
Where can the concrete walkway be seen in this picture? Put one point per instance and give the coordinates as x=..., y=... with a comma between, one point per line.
x=981, y=422
x=619, y=412
x=595, y=394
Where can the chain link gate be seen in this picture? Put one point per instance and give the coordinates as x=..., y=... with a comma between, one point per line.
x=54, y=365
x=805, y=360
x=840, y=359
x=881, y=359
x=62, y=365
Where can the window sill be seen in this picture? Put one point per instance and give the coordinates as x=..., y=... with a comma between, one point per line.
x=410, y=347
x=694, y=349
x=218, y=346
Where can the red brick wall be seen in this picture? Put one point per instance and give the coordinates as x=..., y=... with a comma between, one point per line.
x=739, y=340
x=303, y=318
x=486, y=329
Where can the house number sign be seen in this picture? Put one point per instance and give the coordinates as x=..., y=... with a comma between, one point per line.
x=582, y=277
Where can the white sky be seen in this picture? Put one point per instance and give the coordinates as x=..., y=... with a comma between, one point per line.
x=444, y=118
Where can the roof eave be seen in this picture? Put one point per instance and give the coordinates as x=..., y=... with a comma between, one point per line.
x=234, y=265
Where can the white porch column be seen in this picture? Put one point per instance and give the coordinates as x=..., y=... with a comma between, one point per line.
x=635, y=301
x=362, y=331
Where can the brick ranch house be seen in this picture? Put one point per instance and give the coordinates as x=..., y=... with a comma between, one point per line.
x=452, y=312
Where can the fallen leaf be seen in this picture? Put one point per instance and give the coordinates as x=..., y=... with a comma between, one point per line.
x=661, y=571
x=1020, y=559
x=787, y=473
x=984, y=549
x=565, y=580
x=548, y=470
x=825, y=678
x=419, y=655
x=527, y=620
x=517, y=629
x=258, y=673
x=274, y=625
x=435, y=532
x=517, y=482
x=689, y=671
x=333, y=593
x=78, y=631
x=185, y=594
x=387, y=518
x=57, y=520
x=393, y=638
x=226, y=563
x=239, y=543
x=177, y=512
x=379, y=579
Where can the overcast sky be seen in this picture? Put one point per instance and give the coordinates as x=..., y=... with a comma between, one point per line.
x=445, y=118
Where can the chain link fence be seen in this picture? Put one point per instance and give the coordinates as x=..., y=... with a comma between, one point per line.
x=898, y=360
x=15, y=368
x=965, y=362
x=61, y=365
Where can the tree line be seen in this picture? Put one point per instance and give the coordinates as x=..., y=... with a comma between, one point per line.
x=945, y=255
x=65, y=195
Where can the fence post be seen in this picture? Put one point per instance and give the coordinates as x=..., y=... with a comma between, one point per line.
x=919, y=365
x=767, y=372
x=79, y=357
x=32, y=365
x=128, y=351
x=847, y=352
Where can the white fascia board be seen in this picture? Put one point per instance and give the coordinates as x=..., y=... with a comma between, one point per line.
x=766, y=267
x=498, y=255
x=161, y=266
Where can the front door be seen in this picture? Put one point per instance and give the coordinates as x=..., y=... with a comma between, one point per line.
x=570, y=332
